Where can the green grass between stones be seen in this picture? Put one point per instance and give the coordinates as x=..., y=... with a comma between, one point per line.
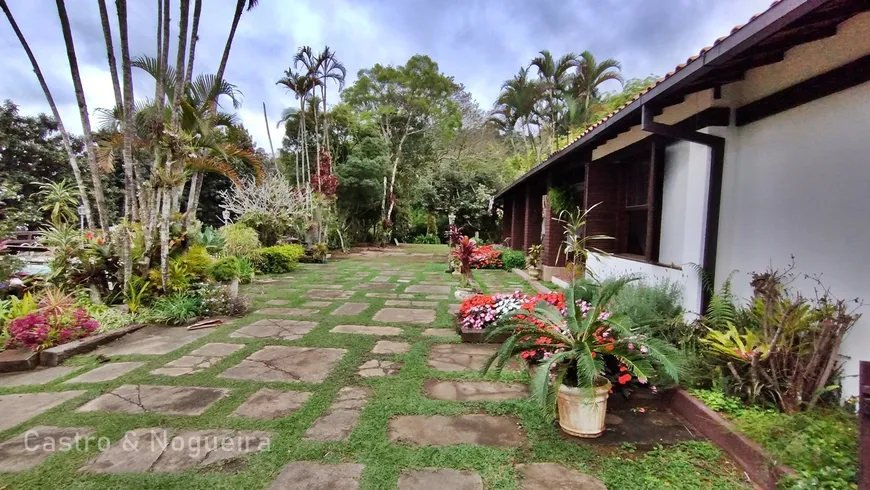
x=683, y=466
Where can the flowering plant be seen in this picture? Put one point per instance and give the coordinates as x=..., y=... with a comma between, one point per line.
x=582, y=345
x=486, y=257
x=47, y=328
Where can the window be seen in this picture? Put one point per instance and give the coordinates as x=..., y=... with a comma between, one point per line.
x=639, y=190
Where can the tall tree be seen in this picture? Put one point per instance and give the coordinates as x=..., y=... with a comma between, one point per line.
x=301, y=84
x=518, y=99
x=240, y=6
x=194, y=37
x=403, y=101
x=132, y=184
x=590, y=75
x=99, y=196
x=555, y=77
x=329, y=68
x=67, y=145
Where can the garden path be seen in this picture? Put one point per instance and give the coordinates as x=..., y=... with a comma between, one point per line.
x=347, y=375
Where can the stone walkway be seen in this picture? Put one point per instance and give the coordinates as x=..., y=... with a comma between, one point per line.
x=343, y=373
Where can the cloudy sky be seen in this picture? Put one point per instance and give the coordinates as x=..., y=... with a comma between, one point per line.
x=478, y=42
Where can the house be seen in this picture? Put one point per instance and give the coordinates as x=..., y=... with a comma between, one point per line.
x=753, y=151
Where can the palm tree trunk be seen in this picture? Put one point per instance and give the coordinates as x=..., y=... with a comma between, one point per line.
x=325, y=121
x=67, y=145
x=194, y=37
x=129, y=134
x=169, y=191
x=240, y=5
x=99, y=196
x=131, y=211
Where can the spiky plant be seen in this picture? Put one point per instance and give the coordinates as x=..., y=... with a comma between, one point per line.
x=580, y=342
x=576, y=243
x=464, y=253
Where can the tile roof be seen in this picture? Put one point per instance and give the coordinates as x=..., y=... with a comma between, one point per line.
x=658, y=82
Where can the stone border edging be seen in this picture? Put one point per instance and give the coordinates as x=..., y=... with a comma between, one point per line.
x=759, y=465
x=536, y=285
x=55, y=355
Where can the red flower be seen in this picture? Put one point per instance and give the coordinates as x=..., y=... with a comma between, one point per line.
x=625, y=378
x=609, y=347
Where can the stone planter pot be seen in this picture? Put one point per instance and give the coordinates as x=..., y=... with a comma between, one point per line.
x=233, y=288
x=463, y=294
x=534, y=273
x=582, y=410
x=476, y=336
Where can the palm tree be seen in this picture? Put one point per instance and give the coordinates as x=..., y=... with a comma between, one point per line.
x=99, y=196
x=301, y=84
x=590, y=74
x=240, y=5
x=555, y=77
x=519, y=96
x=329, y=68
x=73, y=162
x=305, y=57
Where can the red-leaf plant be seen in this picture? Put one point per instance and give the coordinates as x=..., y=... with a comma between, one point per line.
x=464, y=253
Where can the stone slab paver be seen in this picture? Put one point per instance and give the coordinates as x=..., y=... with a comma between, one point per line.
x=152, y=341
x=308, y=475
x=377, y=286
x=460, y=357
x=453, y=308
x=38, y=376
x=376, y=368
x=350, y=309
x=106, y=372
x=287, y=311
x=280, y=363
x=438, y=297
x=405, y=315
x=338, y=423
x=19, y=408
x=169, y=400
x=270, y=404
x=198, y=360
x=427, y=289
x=159, y=450
x=549, y=476
x=474, y=391
x=30, y=449
x=439, y=332
x=440, y=430
x=364, y=330
x=277, y=302
x=270, y=328
x=331, y=294
x=440, y=479
x=405, y=302
x=317, y=304
x=381, y=279
x=324, y=285
x=390, y=347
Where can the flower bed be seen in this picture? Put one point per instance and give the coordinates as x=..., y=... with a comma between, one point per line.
x=486, y=257
x=42, y=330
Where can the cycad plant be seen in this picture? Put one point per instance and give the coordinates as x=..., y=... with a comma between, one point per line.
x=585, y=345
x=576, y=241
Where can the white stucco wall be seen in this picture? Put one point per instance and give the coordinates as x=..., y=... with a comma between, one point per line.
x=684, y=197
x=797, y=184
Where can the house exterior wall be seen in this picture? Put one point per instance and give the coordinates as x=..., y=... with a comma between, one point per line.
x=796, y=184
x=684, y=197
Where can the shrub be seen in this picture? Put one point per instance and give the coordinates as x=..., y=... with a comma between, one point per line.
x=279, y=259
x=176, y=309
x=246, y=270
x=240, y=239
x=226, y=269
x=427, y=239
x=217, y=301
x=42, y=330
x=180, y=278
x=513, y=259
x=113, y=319
x=212, y=240
x=197, y=261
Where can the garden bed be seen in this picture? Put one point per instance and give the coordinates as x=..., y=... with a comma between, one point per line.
x=56, y=355
x=477, y=336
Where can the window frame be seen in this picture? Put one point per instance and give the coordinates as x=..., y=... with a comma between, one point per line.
x=653, y=152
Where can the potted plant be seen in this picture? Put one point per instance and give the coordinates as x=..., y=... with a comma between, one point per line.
x=580, y=343
x=320, y=252
x=453, y=235
x=533, y=261
x=228, y=271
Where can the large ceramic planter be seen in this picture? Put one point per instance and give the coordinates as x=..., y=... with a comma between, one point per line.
x=582, y=410
x=534, y=273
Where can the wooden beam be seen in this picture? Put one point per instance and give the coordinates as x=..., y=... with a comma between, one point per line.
x=839, y=79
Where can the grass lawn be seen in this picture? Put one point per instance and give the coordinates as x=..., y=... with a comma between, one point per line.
x=683, y=466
